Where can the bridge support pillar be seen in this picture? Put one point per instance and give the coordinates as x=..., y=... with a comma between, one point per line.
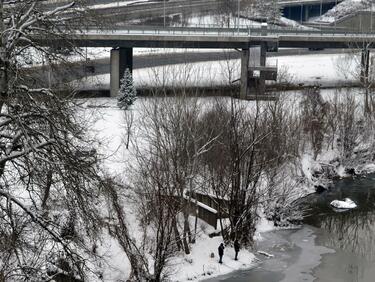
x=121, y=59
x=262, y=63
x=307, y=9
x=365, y=64
x=245, y=56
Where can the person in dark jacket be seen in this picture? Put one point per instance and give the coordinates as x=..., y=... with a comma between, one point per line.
x=236, y=248
x=221, y=252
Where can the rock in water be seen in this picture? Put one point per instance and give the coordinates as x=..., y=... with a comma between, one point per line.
x=346, y=204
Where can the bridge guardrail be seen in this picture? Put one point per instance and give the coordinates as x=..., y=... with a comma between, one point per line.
x=238, y=32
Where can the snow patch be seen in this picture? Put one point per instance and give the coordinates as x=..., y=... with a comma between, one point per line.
x=346, y=204
x=201, y=264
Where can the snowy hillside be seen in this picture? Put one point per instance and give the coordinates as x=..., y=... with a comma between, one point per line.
x=343, y=9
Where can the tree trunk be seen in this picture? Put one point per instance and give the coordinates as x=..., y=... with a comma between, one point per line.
x=195, y=226
x=47, y=188
x=177, y=235
x=187, y=233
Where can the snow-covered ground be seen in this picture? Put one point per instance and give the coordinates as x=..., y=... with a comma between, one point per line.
x=343, y=9
x=108, y=126
x=119, y=3
x=203, y=260
x=220, y=20
x=327, y=70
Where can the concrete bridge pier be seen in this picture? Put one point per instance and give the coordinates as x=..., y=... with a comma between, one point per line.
x=365, y=64
x=120, y=60
x=306, y=12
x=245, y=57
x=262, y=63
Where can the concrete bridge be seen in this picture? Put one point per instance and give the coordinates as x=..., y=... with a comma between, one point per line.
x=124, y=40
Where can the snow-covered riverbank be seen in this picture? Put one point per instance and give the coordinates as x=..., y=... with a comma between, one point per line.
x=302, y=177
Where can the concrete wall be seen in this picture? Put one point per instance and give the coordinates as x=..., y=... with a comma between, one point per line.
x=363, y=21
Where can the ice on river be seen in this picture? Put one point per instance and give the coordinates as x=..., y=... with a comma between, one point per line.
x=346, y=204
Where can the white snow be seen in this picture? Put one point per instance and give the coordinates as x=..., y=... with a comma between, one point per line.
x=366, y=169
x=199, y=264
x=324, y=69
x=219, y=20
x=341, y=171
x=265, y=225
x=345, y=8
x=109, y=127
x=202, y=205
x=346, y=204
x=265, y=254
x=119, y=3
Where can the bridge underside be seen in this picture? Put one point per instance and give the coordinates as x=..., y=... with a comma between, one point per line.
x=309, y=40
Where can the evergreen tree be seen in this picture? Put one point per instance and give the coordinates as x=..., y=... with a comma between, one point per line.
x=274, y=12
x=261, y=7
x=127, y=93
x=268, y=10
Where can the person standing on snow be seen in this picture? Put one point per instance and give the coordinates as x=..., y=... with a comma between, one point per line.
x=221, y=252
x=236, y=248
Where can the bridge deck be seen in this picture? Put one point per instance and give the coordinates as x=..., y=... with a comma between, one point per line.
x=215, y=38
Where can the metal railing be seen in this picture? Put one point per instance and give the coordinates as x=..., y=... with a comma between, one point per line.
x=243, y=31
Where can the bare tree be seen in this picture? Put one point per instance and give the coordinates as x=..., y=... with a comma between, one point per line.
x=233, y=167
x=165, y=177
x=49, y=175
x=358, y=64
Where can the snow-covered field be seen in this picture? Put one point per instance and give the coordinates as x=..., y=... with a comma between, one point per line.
x=327, y=70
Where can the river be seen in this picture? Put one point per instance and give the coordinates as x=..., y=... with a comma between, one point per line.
x=331, y=246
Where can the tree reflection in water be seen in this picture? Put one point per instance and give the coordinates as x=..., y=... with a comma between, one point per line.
x=351, y=231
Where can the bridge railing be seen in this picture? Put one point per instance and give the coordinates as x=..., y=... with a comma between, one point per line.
x=241, y=31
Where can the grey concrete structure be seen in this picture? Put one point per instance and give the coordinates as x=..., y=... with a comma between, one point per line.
x=120, y=60
x=295, y=3
x=115, y=72
x=365, y=64
x=302, y=10
x=217, y=38
x=363, y=21
x=245, y=56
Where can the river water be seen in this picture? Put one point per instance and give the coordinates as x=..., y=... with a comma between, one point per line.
x=331, y=246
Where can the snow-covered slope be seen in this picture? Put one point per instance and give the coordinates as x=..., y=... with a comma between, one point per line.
x=343, y=9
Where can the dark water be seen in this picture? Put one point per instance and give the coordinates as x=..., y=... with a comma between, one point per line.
x=331, y=246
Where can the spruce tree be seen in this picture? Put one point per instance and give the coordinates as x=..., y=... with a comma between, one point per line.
x=268, y=10
x=127, y=93
x=274, y=12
